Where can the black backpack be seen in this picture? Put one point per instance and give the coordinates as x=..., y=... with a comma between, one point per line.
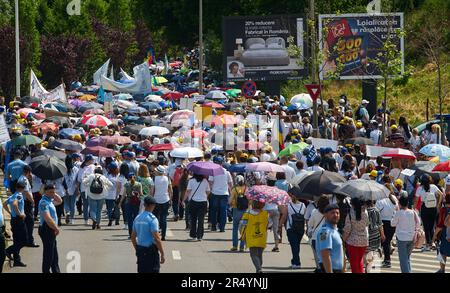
x=96, y=186
x=298, y=222
x=242, y=202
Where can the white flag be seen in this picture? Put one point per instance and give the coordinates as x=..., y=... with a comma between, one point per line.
x=36, y=88
x=56, y=95
x=38, y=91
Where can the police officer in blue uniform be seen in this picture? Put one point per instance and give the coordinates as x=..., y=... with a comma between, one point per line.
x=2, y=239
x=48, y=228
x=14, y=170
x=329, y=242
x=29, y=205
x=146, y=239
x=14, y=205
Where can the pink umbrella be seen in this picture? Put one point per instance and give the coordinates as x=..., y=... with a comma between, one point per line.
x=115, y=140
x=97, y=121
x=268, y=194
x=26, y=111
x=214, y=105
x=94, y=112
x=399, y=154
x=225, y=119
x=98, y=151
x=264, y=167
x=94, y=142
x=39, y=116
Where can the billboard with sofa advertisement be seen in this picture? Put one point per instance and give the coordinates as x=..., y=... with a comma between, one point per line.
x=256, y=48
x=352, y=40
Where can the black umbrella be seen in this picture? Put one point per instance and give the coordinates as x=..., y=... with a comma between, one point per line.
x=58, y=120
x=67, y=144
x=317, y=184
x=53, y=153
x=426, y=167
x=48, y=168
x=359, y=140
x=134, y=129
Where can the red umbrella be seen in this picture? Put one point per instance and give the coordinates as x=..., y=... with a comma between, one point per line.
x=98, y=151
x=85, y=118
x=442, y=167
x=115, y=140
x=214, y=105
x=97, y=121
x=39, y=116
x=161, y=147
x=173, y=96
x=399, y=154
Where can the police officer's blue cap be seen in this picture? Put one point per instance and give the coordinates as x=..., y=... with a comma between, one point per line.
x=131, y=174
x=18, y=152
x=89, y=158
x=113, y=165
x=76, y=155
x=149, y=200
x=218, y=160
x=331, y=207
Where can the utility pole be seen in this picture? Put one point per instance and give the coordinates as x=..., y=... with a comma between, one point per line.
x=312, y=32
x=17, y=49
x=200, y=43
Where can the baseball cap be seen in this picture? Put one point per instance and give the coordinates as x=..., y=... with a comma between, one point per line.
x=331, y=207
x=131, y=174
x=89, y=158
x=398, y=182
x=218, y=160
x=341, y=101
x=113, y=165
x=365, y=102
x=374, y=173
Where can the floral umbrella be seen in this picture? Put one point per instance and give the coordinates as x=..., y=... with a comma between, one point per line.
x=268, y=194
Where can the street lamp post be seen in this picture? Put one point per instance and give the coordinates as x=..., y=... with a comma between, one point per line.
x=17, y=49
x=200, y=43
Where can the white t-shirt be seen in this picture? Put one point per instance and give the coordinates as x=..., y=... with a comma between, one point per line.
x=405, y=222
x=161, y=189
x=112, y=192
x=387, y=208
x=200, y=194
x=311, y=207
x=294, y=208
x=265, y=157
x=220, y=183
x=375, y=136
x=290, y=172
x=422, y=194
x=315, y=222
x=315, y=168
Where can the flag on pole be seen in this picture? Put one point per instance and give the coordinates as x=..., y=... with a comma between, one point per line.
x=151, y=56
x=166, y=64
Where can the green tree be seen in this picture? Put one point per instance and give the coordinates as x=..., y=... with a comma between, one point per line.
x=119, y=15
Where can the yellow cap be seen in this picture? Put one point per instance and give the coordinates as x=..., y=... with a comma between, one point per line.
x=394, y=127
x=295, y=131
x=374, y=173
x=398, y=182
x=359, y=125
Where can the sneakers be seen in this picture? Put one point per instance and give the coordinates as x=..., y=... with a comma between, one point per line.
x=386, y=264
x=296, y=267
x=72, y=222
x=94, y=225
x=67, y=219
x=19, y=264
x=242, y=249
x=86, y=222
x=440, y=271
x=425, y=249
x=125, y=227
x=234, y=249
x=110, y=223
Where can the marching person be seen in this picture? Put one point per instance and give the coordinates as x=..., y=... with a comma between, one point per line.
x=197, y=193
x=146, y=239
x=2, y=239
x=14, y=206
x=220, y=191
x=329, y=245
x=48, y=229
x=295, y=229
x=239, y=204
x=28, y=205
x=442, y=233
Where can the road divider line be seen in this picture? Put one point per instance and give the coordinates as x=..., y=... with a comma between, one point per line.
x=169, y=233
x=176, y=255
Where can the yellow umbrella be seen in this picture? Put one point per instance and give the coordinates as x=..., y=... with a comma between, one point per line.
x=161, y=79
x=88, y=98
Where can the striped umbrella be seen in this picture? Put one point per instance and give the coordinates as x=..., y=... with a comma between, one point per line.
x=97, y=121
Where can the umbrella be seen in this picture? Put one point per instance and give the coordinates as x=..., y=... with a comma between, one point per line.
x=363, y=189
x=67, y=144
x=302, y=99
x=292, y=149
x=69, y=132
x=123, y=97
x=205, y=168
x=125, y=104
x=92, y=112
x=136, y=110
x=99, y=151
x=39, y=116
x=296, y=180
x=267, y=194
x=77, y=103
x=154, y=130
x=399, y=154
x=442, y=167
x=95, y=141
x=237, y=168
x=58, y=120
x=160, y=79
x=106, y=140
x=48, y=168
x=151, y=106
x=216, y=95
x=87, y=106
x=225, y=119
x=160, y=147
x=316, y=184
x=133, y=129
x=214, y=105
x=436, y=150
x=57, y=107
x=233, y=93
x=186, y=153
x=196, y=133
x=264, y=167
x=172, y=96
x=88, y=98
x=97, y=121
x=45, y=127
x=359, y=140
x=26, y=111
x=154, y=98
x=26, y=140
x=53, y=153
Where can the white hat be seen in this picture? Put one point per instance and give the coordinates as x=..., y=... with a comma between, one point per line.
x=364, y=102
x=341, y=101
x=161, y=169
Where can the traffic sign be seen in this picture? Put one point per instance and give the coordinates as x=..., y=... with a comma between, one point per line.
x=313, y=90
x=249, y=89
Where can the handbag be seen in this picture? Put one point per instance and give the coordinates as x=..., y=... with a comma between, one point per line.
x=419, y=234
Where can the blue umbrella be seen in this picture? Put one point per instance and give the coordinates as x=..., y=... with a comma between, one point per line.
x=237, y=168
x=131, y=118
x=151, y=106
x=89, y=106
x=69, y=132
x=136, y=110
x=436, y=150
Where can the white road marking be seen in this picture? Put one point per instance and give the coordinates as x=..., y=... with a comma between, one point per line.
x=169, y=233
x=176, y=255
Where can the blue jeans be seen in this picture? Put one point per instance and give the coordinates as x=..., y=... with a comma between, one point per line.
x=110, y=203
x=69, y=205
x=85, y=206
x=219, y=211
x=95, y=211
x=161, y=212
x=132, y=211
x=404, y=252
x=294, y=241
x=237, y=216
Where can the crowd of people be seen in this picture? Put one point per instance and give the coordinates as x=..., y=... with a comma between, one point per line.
x=142, y=180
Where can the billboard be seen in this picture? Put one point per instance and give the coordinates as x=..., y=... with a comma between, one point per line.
x=256, y=48
x=353, y=39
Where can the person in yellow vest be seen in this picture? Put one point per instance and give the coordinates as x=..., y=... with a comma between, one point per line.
x=254, y=233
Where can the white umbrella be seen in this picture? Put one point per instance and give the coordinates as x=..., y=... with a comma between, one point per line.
x=186, y=153
x=125, y=104
x=154, y=98
x=302, y=100
x=154, y=130
x=216, y=95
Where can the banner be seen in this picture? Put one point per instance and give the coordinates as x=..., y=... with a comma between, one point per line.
x=38, y=91
x=108, y=105
x=325, y=143
x=353, y=39
x=256, y=48
x=375, y=151
x=140, y=84
x=4, y=134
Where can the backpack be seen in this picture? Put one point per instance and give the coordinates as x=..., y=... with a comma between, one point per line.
x=430, y=200
x=177, y=176
x=241, y=202
x=298, y=221
x=96, y=186
x=358, y=115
